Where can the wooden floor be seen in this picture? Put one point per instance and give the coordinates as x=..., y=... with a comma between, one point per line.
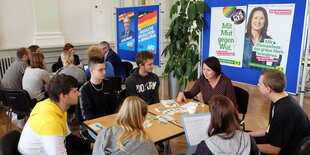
x=257, y=116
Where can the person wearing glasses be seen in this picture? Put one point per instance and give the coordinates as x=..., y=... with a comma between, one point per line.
x=98, y=97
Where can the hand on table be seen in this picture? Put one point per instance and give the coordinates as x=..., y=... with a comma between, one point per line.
x=181, y=97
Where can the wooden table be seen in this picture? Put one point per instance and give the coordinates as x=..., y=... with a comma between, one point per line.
x=200, y=109
x=158, y=132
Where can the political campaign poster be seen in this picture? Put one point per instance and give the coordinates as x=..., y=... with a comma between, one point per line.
x=226, y=34
x=147, y=31
x=126, y=28
x=267, y=37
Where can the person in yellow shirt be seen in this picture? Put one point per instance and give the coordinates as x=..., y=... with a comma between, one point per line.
x=46, y=131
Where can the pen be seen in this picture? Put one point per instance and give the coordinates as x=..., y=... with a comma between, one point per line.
x=99, y=126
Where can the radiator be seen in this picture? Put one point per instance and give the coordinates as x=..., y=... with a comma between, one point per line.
x=5, y=63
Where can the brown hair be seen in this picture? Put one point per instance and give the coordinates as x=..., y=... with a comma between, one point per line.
x=21, y=52
x=94, y=51
x=214, y=64
x=224, y=118
x=68, y=46
x=249, y=26
x=274, y=79
x=36, y=60
x=33, y=48
x=142, y=56
x=61, y=83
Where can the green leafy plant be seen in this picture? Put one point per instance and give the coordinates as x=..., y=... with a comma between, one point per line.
x=184, y=32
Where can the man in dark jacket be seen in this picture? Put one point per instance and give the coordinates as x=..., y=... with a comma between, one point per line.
x=114, y=59
x=142, y=82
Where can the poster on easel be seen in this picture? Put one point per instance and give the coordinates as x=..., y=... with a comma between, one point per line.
x=138, y=30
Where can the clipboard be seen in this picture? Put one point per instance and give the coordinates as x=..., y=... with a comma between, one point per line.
x=195, y=127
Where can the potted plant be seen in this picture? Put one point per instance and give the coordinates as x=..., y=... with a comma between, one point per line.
x=183, y=49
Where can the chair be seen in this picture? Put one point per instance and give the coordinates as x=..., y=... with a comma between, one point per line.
x=303, y=147
x=55, y=67
x=128, y=67
x=242, y=97
x=9, y=142
x=18, y=100
x=5, y=106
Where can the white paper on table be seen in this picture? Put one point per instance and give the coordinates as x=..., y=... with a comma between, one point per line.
x=195, y=127
x=185, y=106
x=96, y=126
x=169, y=103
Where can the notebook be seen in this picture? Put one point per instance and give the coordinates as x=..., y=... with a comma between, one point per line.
x=195, y=127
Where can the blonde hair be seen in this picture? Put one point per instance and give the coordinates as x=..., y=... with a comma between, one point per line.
x=94, y=51
x=66, y=58
x=129, y=118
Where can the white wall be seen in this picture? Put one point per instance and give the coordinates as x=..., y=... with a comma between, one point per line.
x=16, y=23
x=17, y=20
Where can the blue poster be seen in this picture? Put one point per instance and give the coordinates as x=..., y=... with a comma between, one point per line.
x=126, y=27
x=138, y=30
x=147, y=29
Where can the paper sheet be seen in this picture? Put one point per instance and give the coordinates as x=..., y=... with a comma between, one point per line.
x=195, y=127
x=185, y=106
x=96, y=126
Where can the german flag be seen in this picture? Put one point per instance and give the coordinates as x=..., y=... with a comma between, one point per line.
x=129, y=14
x=147, y=20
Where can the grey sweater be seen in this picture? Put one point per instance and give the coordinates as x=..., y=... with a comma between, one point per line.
x=106, y=143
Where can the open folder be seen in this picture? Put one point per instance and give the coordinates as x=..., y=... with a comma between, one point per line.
x=195, y=127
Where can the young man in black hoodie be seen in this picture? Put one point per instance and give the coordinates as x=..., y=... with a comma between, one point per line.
x=142, y=82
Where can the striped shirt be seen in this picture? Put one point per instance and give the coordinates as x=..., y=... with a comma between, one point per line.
x=223, y=87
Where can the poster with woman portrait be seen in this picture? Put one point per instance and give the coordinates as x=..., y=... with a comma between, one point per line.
x=267, y=36
x=226, y=43
x=126, y=28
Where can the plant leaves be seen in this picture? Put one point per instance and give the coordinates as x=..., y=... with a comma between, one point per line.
x=191, y=11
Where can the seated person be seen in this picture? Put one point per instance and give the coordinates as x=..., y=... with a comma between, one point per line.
x=35, y=77
x=46, y=131
x=142, y=82
x=76, y=59
x=127, y=136
x=71, y=69
x=94, y=51
x=98, y=97
x=14, y=74
x=110, y=56
x=34, y=49
x=288, y=123
x=212, y=82
x=225, y=135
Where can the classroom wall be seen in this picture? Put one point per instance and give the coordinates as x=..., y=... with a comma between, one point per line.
x=82, y=23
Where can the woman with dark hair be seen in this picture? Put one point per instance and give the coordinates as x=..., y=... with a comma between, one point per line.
x=224, y=133
x=35, y=76
x=256, y=32
x=212, y=82
x=76, y=59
